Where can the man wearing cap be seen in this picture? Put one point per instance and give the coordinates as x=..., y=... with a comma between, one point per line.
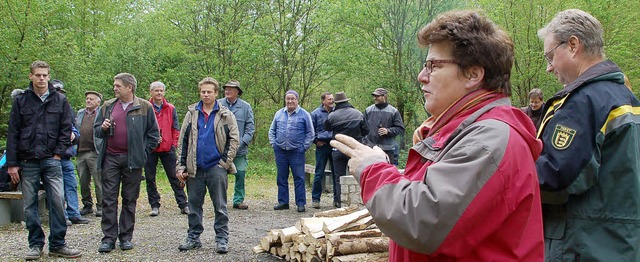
x=323, y=149
x=348, y=121
x=246, y=127
x=291, y=134
x=385, y=123
x=87, y=157
x=71, y=212
x=167, y=118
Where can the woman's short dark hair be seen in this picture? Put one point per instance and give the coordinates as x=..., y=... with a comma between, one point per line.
x=476, y=41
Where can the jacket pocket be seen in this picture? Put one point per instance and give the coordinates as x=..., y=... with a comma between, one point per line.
x=52, y=140
x=25, y=142
x=555, y=221
x=53, y=116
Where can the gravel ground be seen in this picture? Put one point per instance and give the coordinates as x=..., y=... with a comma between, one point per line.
x=157, y=238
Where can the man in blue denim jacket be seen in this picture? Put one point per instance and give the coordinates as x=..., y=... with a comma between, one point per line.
x=291, y=134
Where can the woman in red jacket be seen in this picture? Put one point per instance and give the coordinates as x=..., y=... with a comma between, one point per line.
x=470, y=190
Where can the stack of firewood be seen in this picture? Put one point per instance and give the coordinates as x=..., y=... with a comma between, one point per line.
x=343, y=234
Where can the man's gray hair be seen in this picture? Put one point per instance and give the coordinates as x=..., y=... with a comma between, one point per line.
x=575, y=22
x=127, y=79
x=156, y=84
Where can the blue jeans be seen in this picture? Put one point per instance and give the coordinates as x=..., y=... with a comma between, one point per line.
x=50, y=172
x=323, y=153
x=215, y=179
x=293, y=159
x=70, y=188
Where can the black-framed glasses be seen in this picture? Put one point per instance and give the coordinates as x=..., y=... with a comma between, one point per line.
x=429, y=64
x=546, y=55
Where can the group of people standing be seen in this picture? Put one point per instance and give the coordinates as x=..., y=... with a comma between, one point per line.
x=114, y=142
x=379, y=125
x=480, y=183
x=293, y=130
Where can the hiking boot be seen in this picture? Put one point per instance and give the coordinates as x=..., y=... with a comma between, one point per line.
x=337, y=204
x=316, y=204
x=68, y=222
x=126, y=245
x=301, y=208
x=86, y=210
x=33, y=253
x=222, y=248
x=79, y=220
x=65, y=252
x=281, y=207
x=240, y=206
x=184, y=210
x=155, y=211
x=189, y=244
x=106, y=247
x=99, y=213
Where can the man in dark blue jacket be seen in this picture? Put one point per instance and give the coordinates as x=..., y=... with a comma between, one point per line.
x=323, y=149
x=39, y=133
x=71, y=212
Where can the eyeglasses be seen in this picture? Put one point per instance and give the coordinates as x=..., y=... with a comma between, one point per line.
x=546, y=55
x=429, y=64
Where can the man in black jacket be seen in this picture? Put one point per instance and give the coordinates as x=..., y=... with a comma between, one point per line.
x=39, y=133
x=346, y=120
x=385, y=123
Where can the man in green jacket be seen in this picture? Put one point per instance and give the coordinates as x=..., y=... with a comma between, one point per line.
x=128, y=127
x=588, y=169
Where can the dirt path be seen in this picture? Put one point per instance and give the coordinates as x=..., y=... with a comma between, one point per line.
x=157, y=238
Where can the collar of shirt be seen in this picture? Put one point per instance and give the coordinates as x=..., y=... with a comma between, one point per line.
x=124, y=105
x=44, y=96
x=292, y=112
x=88, y=112
x=157, y=107
x=231, y=104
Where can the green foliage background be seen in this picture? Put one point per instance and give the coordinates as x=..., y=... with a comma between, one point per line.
x=271, y=46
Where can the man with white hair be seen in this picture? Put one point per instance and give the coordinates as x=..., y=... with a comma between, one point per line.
x=167, y=118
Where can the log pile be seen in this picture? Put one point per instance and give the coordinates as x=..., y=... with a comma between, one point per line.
x=337, y=235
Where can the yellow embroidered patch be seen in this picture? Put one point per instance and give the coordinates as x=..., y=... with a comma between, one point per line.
x=562, y=137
